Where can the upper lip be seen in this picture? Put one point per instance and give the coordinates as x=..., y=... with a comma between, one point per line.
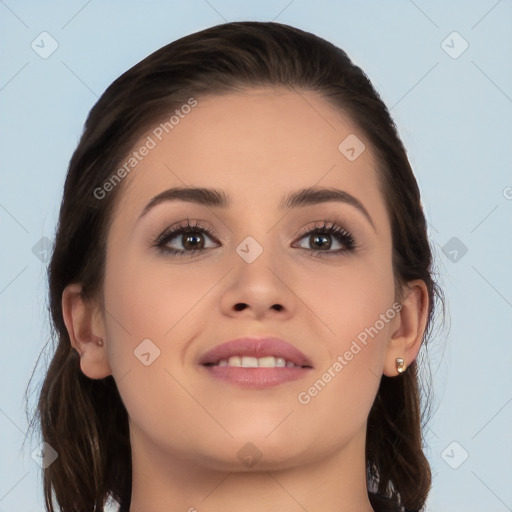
x=256, y=347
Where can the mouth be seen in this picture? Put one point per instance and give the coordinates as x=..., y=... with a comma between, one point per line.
x=256, y=362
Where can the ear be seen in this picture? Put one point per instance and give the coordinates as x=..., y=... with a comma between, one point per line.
x=406, y=339
x=85, y=328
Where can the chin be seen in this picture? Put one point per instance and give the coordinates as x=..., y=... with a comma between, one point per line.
x=252, y=457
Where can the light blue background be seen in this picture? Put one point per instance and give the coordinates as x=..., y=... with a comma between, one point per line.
x=453, y=115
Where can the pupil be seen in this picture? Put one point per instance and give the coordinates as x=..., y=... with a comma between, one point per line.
x=193, y=238
x=315, y=238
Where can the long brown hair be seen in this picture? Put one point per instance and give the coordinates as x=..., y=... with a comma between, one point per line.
x=83, y=419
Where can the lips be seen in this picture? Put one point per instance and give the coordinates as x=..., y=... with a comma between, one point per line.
x=251, y=348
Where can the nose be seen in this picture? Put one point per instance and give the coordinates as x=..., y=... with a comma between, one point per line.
x=259, y=289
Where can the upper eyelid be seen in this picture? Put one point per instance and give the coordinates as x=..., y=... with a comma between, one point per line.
x=326, y=224
x=184, y=226
x=190, y=225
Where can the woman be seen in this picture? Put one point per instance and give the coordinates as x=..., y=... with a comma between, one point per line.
x=240, y=286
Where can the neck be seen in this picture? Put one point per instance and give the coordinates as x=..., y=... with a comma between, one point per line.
x=163, y=483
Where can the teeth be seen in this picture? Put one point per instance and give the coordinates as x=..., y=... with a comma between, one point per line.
x=249, y=362
x=255, y=362
x=271, y=362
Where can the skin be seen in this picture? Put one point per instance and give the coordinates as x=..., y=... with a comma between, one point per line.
x=186, y=427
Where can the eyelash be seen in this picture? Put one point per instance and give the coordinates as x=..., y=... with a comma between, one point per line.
x=327, y=228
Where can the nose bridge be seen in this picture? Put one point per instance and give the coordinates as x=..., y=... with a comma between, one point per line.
x=255, y=235
x=258, y=256
x=250, y=249
x=258, y=241
x=257, y=283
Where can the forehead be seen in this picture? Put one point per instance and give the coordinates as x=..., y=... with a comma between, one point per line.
x=255, y=145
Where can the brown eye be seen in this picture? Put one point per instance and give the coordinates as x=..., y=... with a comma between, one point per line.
x=320, y=240
x=192, y=240
x=185, y=238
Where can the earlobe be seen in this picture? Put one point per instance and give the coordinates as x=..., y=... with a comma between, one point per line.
x=406, y=340
x=86, y=334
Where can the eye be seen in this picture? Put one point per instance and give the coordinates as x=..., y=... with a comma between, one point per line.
x=321, y=239
x=190, y=236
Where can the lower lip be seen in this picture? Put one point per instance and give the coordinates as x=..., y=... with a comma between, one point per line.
x=256, y=378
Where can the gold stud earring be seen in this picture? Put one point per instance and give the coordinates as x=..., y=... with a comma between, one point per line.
x=400, y=365
x=100, y=342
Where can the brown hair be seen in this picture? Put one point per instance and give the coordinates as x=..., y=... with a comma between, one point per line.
x=83, y=419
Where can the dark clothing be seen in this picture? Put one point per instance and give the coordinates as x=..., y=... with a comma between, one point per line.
x=383, y=504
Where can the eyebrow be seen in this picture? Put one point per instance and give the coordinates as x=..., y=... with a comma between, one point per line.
x=211, y=197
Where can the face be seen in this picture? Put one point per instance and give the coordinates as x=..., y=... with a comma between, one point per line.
x=317, y=275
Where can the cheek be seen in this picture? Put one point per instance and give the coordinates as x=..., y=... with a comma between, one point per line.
x=150, y=311
x=349, y=300
x=342, y=389
x=357, y=317
x=150, y=299
x=153, y=300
